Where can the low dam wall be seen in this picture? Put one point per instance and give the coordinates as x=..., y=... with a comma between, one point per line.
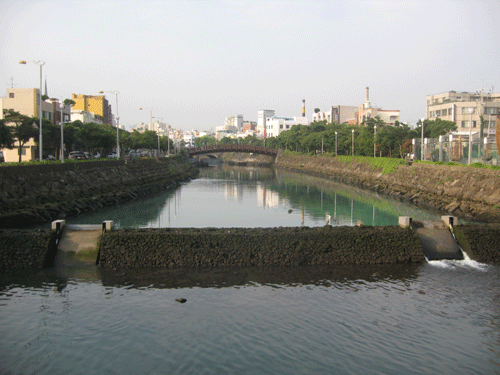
x=466, y=192
x=480, y=241
x=21, y=248
x=210, y=247
x=241, y=247
x=36, y=194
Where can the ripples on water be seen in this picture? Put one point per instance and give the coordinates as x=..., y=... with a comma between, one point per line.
x=405, y=319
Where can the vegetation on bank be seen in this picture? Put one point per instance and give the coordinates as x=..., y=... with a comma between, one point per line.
x=387, y=165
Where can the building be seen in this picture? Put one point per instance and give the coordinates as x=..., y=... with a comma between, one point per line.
x=459, y=107
x=97, y=104
x=338, y=114
x=234, y=121
x=366, y=111
x=277, y=124
x=27, y=102
x=262, y=115
x=85, y=117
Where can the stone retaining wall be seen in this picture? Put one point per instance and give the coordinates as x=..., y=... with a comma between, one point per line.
x=209, y=247
x=465, y=192
x=27, y=248
x=36, y=194
x=480, y=242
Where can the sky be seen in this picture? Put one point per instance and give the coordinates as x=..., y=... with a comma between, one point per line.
x=193, y=63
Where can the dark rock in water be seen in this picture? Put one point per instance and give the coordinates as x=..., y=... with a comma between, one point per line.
x=181, y=300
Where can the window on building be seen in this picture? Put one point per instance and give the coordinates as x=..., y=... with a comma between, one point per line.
x=11, y=95
x=438, y=113
x=465, y=124
x=450, y=110
x=473, y=124
x=288, y=126
x=22, y=151
x=281, y=126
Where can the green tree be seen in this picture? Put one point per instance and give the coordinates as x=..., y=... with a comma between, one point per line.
x=205, y=141
x=6, y=139
x=22, y=130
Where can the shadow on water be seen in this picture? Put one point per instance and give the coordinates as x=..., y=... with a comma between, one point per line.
x=341, y=276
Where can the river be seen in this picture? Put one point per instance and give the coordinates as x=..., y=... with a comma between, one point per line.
x=439, y=317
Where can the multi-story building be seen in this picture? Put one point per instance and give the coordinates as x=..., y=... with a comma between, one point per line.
x=97, y=104
x=277, y=124
x=262, y=115
x=234, y=121
x=464, y=107
x=85, y=117
x=27, y=102
x=337, y=114
x=366, y=110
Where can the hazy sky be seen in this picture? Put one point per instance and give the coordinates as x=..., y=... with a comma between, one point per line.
x=196, y=62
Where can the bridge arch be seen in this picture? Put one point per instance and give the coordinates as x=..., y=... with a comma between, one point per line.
x=232, y=148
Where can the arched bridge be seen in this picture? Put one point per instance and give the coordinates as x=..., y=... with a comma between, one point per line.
x=232, y=148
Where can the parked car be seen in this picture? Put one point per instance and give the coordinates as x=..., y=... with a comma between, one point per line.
x=112, y=155
x=50, y=158
x=97, y=155
x=87, y=155
x=77, y=155
x=2, y=158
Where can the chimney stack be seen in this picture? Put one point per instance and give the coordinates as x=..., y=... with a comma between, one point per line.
x=303, y=108
x=367, y=94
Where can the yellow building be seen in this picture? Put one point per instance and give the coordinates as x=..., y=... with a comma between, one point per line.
x=96, y=104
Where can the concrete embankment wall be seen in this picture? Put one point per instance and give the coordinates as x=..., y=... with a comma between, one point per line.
x=465, y=192
x=480, y=241
x=189, y=247
x=36, y=194
x=21, y=248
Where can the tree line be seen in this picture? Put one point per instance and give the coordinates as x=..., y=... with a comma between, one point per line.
x=390, y=141
x=16, y=130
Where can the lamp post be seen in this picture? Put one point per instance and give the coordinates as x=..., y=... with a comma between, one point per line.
x=62, y=133
x=352, y=142
x=422, y=141
x=375, y=141
x=336, y=144
x=150, y=114
x=40, y=63
x=471, y=109
x=158, y=133
x=117, y=122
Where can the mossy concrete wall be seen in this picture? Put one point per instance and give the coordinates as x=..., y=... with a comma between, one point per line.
x=465, y=192
x=36, y=194
x=21, y=249
x=209, y=247
x=480, y=241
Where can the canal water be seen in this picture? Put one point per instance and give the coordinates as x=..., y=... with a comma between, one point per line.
x=441, y=317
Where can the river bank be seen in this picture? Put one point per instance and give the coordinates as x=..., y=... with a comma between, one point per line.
x=466, y=192
x=36, y=194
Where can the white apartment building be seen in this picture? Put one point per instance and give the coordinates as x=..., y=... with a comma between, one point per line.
x=234, y=121
x=85, y=117
x=337, y=114
x=262, y=115
x=465, y=109
x=277, y=124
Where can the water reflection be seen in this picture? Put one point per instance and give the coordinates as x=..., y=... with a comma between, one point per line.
x=340, y=276
x=229, y=196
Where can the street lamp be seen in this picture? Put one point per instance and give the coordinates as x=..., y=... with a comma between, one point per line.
x=375, y=141
x=336, y=154
x=158, y=133
x=62, y=133
x=352, y=142
x=471, y=109
x=40, y=63
x=117, y=122
x=422, y=140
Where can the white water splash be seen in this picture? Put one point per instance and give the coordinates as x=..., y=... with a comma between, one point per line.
x=467, y=262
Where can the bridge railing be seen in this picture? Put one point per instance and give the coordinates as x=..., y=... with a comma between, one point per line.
x=232, y=148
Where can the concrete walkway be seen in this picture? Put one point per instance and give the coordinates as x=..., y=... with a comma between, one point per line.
x=437, y=241
x=78, y=245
